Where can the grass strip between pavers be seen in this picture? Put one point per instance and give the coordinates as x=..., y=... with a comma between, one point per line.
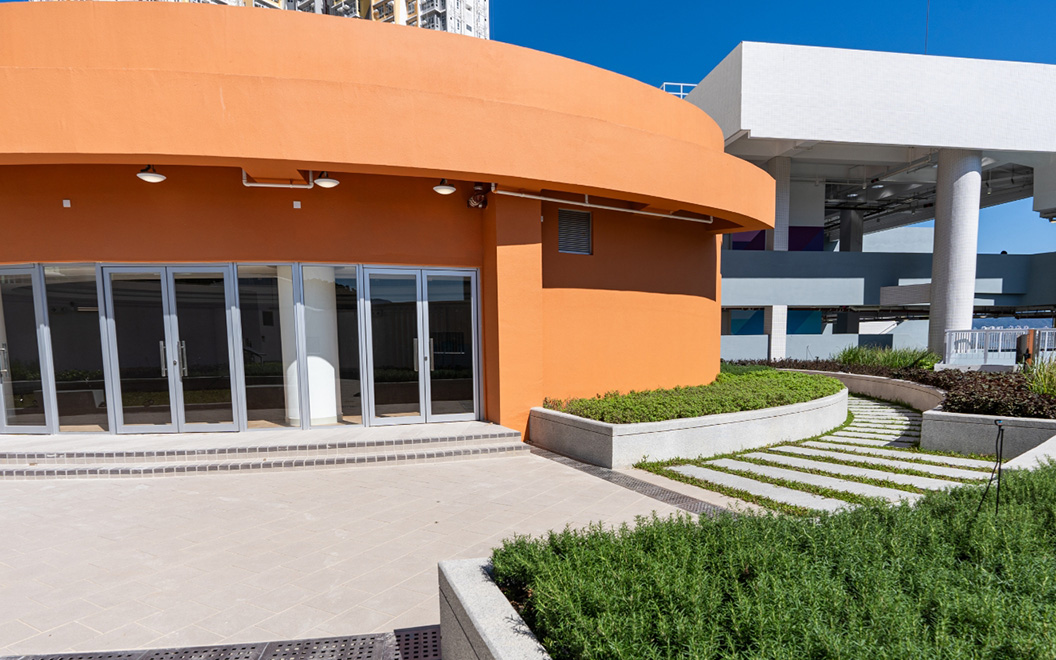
x=871, y=481
x=820, y=491
x=875, y=466
x=917, y=450
x=736, y=493
x=662, y=468
x=911, y=459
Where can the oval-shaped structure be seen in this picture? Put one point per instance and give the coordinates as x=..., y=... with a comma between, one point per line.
x=577, y=254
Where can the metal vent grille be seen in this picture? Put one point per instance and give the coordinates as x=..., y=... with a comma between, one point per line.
x=418, y=643
x=359, y=647
x=574, y=232
x=233, y=652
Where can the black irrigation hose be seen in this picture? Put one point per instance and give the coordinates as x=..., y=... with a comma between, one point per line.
x=999, y=450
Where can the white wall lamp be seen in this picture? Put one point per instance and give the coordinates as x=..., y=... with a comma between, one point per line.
x=150, y=175
x=326, y=181
x=444, y=188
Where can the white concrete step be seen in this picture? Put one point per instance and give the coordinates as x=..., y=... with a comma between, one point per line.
x=938, y=470
x=895, y=453
x=761, y=489
x=876, y=434
x=926, y=483
x=832, y=483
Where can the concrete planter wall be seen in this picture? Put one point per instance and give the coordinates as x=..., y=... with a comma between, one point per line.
x=975, y=434
x=914, y=395
x=946, y=431
x=623, y=445
x=476, y=620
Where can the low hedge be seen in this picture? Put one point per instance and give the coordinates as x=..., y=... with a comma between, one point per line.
x=933, y=580
x=751, y=389
x=973, y=392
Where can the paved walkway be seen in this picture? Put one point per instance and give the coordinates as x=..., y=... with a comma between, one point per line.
x=874, y=457
x=196, y=560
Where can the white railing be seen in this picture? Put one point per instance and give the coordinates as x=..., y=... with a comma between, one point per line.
x=681, y=90
x=1045, y=345
x=973, y=347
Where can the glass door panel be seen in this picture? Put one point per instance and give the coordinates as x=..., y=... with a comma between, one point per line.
x=22, y=401
x=396, y=351
x=269, y=352
x=206, y=397
x=451, y=318
x=142, y=349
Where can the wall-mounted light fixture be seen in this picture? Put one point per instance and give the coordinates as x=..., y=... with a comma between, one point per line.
x=150, y=175
x=326, y=181
x=444, y=188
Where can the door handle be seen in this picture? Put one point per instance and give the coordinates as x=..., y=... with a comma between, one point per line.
x=183, y=358
x=4, y=361
x=164, y=360
x=432, y=362
x=415, y=340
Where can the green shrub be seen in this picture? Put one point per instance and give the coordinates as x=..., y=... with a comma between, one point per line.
x=924, y=582
x=1041, y=377
x=758, y=388
x=740, y=369
x=893, y=358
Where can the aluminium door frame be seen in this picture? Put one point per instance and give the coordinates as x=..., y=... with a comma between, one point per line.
x=230, y=275
x=170, y=355
x=166, y=273
x=47, y=380
x=368, y=340
x=474, y=338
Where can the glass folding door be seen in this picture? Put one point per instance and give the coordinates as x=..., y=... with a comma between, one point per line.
x=171, y=348
x=23, y=374
x=422, y=345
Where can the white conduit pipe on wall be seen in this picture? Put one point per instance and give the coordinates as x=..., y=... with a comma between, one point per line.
x=587, y=203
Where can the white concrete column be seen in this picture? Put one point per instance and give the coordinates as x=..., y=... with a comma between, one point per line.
x=320, y=323
x=780, y=168
x=288, y=336
x=956, y=244
x=1045, y=188
x=775, y=324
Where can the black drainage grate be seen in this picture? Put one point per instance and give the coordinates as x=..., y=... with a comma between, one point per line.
x=358, y=647
x=418, y=643
x=232, y=652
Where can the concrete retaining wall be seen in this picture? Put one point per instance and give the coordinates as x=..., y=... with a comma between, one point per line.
x=946, y=431
x=975, y=434
x=476, y=620
x=914, y=395
x=623, y=445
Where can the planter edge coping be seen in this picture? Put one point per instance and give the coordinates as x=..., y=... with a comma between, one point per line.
x=637, y=428
x=491, y=615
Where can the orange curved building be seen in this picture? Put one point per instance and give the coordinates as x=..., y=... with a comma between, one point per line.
x=578, y=251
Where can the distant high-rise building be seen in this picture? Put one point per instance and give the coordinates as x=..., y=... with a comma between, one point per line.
x=469, y=17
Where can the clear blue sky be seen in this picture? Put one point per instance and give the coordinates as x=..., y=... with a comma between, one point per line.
x=682, y=41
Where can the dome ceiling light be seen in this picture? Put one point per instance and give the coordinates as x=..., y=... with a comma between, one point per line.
x=444, y=188
x=150, y=175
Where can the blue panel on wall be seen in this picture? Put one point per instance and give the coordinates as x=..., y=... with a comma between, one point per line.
x=746, y=322
x=806, y=239
x=804, y=322
x=748, y=240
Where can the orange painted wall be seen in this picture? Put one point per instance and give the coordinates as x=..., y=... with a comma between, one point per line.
x=192, y=84
x=205, y=214
x=641, y=312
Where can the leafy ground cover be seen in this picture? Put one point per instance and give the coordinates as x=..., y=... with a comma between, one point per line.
x=744, y=388
x=975, y=392
x=1041, y=377
x=935, y=580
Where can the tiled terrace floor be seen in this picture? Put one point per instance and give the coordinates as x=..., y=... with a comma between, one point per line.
x=195, y=560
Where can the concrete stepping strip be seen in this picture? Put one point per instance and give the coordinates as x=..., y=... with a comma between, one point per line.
x=761, y=489
x=900, y=419
x=868, y=442
x=832, y=483
x=937, y=470
x=892, y=425
x=927, y=483
x=895, y=453
x=880, y=431
x=890, y=437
